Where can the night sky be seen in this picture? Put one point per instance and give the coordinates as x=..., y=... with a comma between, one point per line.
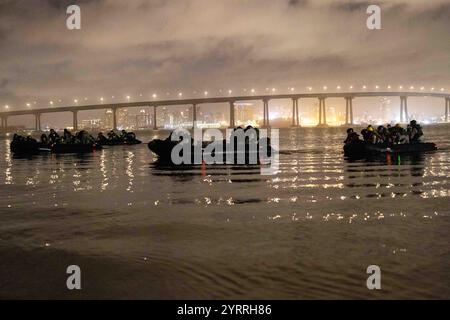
x=133, y=47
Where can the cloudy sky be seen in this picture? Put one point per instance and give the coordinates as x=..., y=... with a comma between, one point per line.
x=146, y=46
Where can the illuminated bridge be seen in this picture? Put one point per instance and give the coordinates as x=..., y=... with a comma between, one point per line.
x=348, y=96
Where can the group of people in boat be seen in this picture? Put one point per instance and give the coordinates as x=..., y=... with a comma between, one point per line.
x=387, y=135
x=234, y=134
x=80, y=137
x=113, y=138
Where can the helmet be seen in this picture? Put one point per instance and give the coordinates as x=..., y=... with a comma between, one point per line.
x=350, y=130
x=413, y=122
x=370, y=128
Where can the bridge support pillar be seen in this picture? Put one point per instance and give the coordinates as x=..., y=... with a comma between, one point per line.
x=447, y=108
x=37, y=122
x=5, y=124
x=75, y=120
x=194, y=116
x=232, y=114
x=404, y=109
x=322, y=113
x=266, y=120
x=349, y=110
x=155, y=126
x=295, y=116
x=114, y=111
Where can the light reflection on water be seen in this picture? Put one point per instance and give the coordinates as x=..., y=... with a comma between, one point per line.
x=228, y=232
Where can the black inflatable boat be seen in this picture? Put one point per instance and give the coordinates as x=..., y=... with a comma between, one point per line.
x=32, y=147
x=361, y=149
x=163, y=149
x=120, y=143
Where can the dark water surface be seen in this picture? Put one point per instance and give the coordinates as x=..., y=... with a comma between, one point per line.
x=139, y=230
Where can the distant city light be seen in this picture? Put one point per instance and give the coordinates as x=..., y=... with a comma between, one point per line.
x=422, y=88
x=400, y=87
x=51, y=102
x=273, y=89
x=154, y=96
x=6, y=107
x=229, y=91
x=310, y=88
x=364, y=87
x=206, y=93
x=411, y=88
x=442, y=89
x=292, y=89
x=101, y=99
x=377, y=87
x=351, y=87
x=389, y=87
x=432, y=89
x=75, y=100
x=128, y=97
x=180, y=94
x=325, y=87
x=253, y=90
x=28, y=105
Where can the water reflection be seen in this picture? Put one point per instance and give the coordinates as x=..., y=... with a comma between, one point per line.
x=317, y=222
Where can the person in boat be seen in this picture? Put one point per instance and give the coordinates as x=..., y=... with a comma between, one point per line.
x=251, y=136
x=368, y=134
x=53, y=136
x=123, y=135
x=352, y=136
x=169, y=138
x=18, y=138
x=415, y=131
x=131, y=137
x=112, y=136
x=44, y=139
x=397, y=133
x=84, y=137
x=101, y=139
x=30, y=139
x=381, y=135
x=67, y=136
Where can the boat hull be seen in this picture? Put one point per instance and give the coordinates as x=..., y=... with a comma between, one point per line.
x=30, y=148
x=120, y=143
x=361, y=148
x=163, y=149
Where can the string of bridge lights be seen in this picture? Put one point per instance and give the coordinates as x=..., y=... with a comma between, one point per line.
x=205, y=93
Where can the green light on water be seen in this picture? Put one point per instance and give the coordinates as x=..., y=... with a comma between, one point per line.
x=399, y=159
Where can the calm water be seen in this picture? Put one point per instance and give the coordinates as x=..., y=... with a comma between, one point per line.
x=138, y=230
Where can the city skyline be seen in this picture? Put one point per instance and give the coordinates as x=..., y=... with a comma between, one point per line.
x=230, y=48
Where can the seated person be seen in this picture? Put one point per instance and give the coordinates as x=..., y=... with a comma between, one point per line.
x=44, y=139
x=415, y=131
x=352, y=136
x=101, y=138
x=67, y=136
x=53, y=136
